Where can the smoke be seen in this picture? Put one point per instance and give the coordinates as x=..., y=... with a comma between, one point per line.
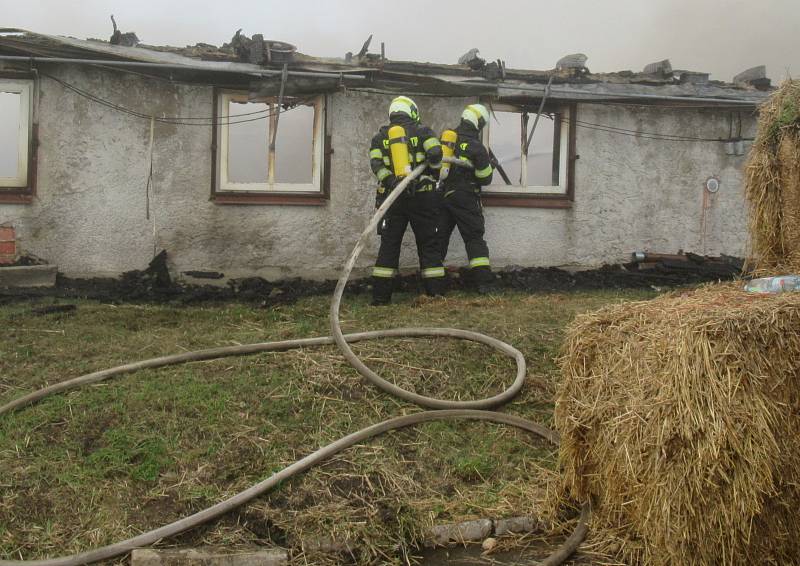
x=726, y=37
x=722, y=37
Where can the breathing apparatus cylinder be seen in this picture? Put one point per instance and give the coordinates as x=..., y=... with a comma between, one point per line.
x=398, y=147
x=449, y=139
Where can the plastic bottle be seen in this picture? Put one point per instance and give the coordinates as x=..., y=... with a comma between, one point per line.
x=777, y=284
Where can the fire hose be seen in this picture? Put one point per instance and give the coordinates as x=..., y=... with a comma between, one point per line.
x=443, y=409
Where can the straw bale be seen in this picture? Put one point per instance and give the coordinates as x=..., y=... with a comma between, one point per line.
x=772, y=184
x=789, y=163
x=680, y=419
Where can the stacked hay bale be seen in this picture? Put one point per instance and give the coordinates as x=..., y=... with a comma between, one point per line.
x=680, y=419
x=772, y=183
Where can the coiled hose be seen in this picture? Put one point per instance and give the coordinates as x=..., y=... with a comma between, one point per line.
x=444, y=409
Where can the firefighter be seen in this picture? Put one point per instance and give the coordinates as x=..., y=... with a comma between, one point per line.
x=395, y=151
x=461, y=204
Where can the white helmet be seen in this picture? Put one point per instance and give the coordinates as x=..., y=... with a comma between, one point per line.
x=405, y=105
x=476, y=114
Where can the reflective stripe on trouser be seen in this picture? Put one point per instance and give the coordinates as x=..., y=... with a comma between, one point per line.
x=431, y=272
x=383, y=271
x=421, y=211
x=462, y=208
x=479, y=262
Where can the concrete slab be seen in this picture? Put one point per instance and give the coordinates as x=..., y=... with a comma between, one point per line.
x=28, y=276
x=208, y=557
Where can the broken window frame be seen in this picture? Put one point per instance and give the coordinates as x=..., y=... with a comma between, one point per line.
x=224, y=191
x=19, y=189
x=537, y=196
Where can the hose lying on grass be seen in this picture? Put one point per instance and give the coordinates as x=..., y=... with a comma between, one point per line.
x=445, y=409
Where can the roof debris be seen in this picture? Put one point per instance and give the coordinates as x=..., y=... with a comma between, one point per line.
x=754, y=76
x=663, y=68
x=245, y=62
x=471, y=59
x=257, y=50
x=693, y=77
x=573, y=61
x=128, y=39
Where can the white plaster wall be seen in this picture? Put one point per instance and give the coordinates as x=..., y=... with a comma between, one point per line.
x=634, y=194
x=89, y=215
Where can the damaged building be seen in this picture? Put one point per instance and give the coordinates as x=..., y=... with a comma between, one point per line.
x=252, y=159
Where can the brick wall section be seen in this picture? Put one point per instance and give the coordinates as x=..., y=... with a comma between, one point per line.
x=8, y=245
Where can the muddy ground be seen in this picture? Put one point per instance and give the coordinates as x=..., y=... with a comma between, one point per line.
x=155, y=284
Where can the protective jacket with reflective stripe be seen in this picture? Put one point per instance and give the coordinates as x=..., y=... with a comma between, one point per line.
x=423, y=146
x=470, y=149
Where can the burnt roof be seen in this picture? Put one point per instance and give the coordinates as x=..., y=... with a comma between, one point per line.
x=231, y=66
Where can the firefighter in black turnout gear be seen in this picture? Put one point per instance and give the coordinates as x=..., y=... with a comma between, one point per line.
x=462, y=194
x=395, y=151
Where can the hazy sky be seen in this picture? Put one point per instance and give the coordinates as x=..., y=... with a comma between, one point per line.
x=723, y=37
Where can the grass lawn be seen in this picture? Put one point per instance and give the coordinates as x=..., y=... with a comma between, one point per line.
x=97, y=465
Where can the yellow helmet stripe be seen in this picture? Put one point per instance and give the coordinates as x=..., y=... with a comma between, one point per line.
x=472, y=113
x=400, y=106
x=403, y=104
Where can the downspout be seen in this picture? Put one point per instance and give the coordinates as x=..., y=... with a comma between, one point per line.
x=273, y=125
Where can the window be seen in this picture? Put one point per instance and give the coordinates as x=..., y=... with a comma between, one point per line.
x=16, y=98
x=544, y=168
x=249, y=165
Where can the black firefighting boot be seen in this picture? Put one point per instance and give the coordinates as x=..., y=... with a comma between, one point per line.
x=482, y=280
x=382, y=288
x=435, y=286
